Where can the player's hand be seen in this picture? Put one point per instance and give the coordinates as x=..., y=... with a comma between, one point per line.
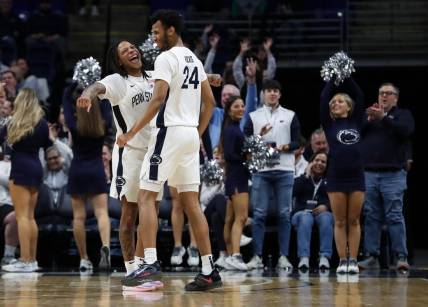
x=84, y=102
x=123, y=139
x=215, y=79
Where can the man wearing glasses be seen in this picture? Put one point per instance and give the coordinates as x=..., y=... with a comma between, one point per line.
x=385, y=149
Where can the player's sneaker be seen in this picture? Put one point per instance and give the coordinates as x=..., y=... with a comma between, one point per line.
x=8, y=260
x=205, y=282
x=149, y=285
x=146, y=272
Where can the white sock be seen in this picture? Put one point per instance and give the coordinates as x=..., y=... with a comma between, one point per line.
x=207, y=264
x=236, y=254
x=138, y=260
x=150, y=255
x=130, y=267
x=9, y=250
x=222, y=254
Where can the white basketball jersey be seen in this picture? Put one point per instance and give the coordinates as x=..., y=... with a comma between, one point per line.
x=184, y=72
x=129, y=98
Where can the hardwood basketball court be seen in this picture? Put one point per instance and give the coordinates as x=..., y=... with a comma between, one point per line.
x=257, y=288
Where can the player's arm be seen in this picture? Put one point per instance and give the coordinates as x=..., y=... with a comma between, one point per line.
x=208, y=105
x=89, y=94
x=158, y=99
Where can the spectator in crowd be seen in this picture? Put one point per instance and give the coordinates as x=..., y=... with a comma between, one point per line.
x=266, y=64
x=280, y=128
x=312, y=206
x=8, y=78
x=216, y=120
x=341, y=119
x=7, y=215
x=26, y=132
x=318, y=142
x=6, y=110
x=57, y=163
x=87, y=179
x=385, y=142
x=229, y=90
x=300, y=163
x=89, y=6
x=218, y=46
x=25, y=79
x=64, y=134
x=213, y=41
x=236, y=183
x=177, y=221
x=3, y=120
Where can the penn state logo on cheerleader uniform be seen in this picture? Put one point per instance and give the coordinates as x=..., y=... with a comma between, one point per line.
x=348, y=136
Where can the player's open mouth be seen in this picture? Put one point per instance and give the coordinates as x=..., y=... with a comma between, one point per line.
x=134, y=59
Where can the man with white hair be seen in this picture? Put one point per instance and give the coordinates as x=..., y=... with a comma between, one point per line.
x=216, y=121
x=228, y=91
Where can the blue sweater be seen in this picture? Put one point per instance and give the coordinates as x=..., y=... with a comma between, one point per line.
x=386, y=143
x=343, y=134
x=216, y=120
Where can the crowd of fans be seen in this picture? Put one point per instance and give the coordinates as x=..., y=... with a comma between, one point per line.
x=295, y=183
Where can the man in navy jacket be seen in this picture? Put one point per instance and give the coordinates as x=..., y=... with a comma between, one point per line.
x=385, y=149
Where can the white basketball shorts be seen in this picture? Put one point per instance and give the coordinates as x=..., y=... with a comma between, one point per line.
x=126, y=168
x=173, y=156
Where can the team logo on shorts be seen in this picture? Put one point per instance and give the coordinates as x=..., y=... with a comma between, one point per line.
x=155, y=159
x=120, y=181
x=348, y=136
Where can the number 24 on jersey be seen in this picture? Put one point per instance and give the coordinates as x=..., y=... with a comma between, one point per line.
x=191, y=78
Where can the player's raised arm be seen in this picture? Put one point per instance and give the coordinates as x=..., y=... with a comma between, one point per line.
x=89, y=94
x=208, y=105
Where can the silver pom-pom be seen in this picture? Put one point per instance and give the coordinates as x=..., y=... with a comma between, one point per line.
x=273, y=156
x=338, y=66
x=260, y=154
x=212, y=173
x=150, y=52
x=87, y=71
